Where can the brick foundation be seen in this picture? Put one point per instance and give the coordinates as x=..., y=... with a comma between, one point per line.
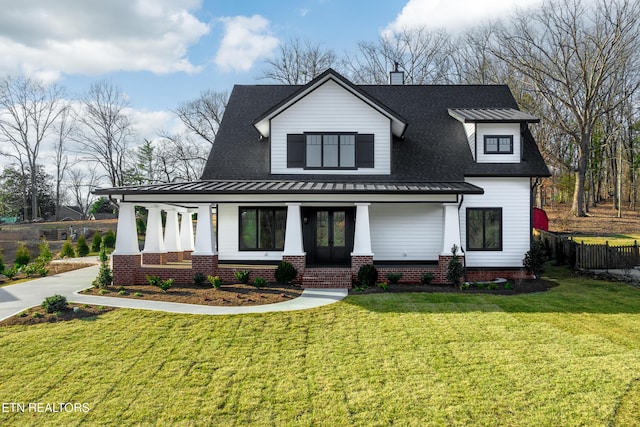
x=299, y=262
x=125, y=268
x=175, y=256
x=154, y=258
x=358, y=261
x=186, y=255
x=481, y=275
x=227, y=274
x=205, y=264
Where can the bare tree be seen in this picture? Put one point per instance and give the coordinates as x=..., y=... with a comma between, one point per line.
x=81, y=181
x=571, y=55
x=63, y=128
x=422, y=54
x=105, y=129
x=28, y=110
x=203, y=115
x=180, y=158
x=298, y=62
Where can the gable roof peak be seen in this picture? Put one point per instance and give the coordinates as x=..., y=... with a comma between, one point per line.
x=399, y=124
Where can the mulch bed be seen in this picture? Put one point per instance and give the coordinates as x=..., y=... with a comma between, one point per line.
x=518, y=287
x=29, y=316
x=228, y=295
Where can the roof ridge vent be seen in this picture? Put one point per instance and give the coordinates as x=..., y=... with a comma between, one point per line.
x=396, y=77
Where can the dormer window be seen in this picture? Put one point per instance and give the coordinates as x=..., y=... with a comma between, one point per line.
x=330, y=150
x=498, y=144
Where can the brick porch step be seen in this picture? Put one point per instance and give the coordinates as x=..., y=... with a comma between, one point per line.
x=326, y=278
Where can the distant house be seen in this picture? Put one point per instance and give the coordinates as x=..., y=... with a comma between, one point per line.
x=70, y=213
x=102, y=215
x=332, y=175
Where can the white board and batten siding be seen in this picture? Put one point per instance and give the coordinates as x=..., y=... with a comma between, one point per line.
x=406, y=232
x=229, y=241
x=493, y=129
x=513, y=195
x=331, y=108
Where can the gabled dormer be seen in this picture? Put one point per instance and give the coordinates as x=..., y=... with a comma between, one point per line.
x=331, y=127
x=494, y=134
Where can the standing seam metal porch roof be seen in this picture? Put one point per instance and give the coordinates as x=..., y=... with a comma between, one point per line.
x=288, y=187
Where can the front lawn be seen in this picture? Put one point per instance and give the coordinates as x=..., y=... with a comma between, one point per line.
x=568, y=356
x=612, y=239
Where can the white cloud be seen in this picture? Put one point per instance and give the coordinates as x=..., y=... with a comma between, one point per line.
x=246, y=40
x=453, y=14
x=45, y=38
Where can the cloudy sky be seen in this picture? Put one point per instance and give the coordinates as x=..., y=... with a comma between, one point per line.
x=162, y=52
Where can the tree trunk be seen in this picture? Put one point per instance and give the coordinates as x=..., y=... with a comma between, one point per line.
x=577, y=207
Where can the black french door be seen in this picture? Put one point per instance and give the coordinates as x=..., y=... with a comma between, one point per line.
x=328, y=235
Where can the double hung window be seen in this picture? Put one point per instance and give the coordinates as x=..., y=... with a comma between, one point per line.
x=498, y=144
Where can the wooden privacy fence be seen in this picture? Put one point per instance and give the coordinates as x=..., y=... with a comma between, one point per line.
x=590, y=257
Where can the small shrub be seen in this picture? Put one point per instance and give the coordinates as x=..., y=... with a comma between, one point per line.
x=28, y=270
x=166, y=284
x=367, y=275
x=199, y=279
x=384, y=286
x=81, y=247
x=426, y=278
x=58, y=313
x=103, y=291
x=464, y=286
x=22, y=255
x=42, y=271
x=54, y=303
x=11, y=272
x=109, y=239
x=535, y=258
x=492, y=286
x=260, y=282
x=242, y=276
x=95, y=243
x=121, y=288
x=122, y=292
x=285, y=272
x=455, y=270
x=23, y=314
x=37, y=314
x=105, y=275
x=215, y=281
x=508, y=285
x=45, y=254
x=394, y=278
x=153, y=280
x=67, y=250
x=137, y=294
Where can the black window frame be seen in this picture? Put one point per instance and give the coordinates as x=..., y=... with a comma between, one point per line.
x=259, y=209
x=498, y=137
x=323, y=135
x=484, y=230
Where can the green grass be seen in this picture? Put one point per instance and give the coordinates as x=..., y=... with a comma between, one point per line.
x=570, y=356
x=613, y=239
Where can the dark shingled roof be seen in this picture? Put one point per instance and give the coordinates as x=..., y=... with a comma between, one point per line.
x=434, y=148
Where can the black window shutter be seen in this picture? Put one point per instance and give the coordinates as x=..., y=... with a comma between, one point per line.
x=295, y=150
x=364, y=151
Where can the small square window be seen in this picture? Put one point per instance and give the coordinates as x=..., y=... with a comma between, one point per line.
x=498, y=144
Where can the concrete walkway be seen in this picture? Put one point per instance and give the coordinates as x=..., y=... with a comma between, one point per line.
x=16, y=298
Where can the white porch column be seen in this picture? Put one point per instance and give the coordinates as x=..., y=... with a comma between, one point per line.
x=127, y=235
x=451, y=228
x=186, y=231
x=154, y=241
x=205, y=241
x=172, y=240
x=362, y=238
x=293, y=245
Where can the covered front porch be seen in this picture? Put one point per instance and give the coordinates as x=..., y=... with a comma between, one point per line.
x=326, y=230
